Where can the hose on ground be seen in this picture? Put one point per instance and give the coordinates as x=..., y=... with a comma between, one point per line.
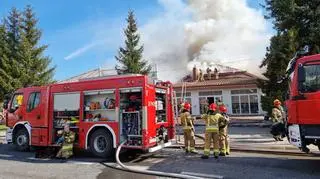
x=148, y=172
x=200, y=137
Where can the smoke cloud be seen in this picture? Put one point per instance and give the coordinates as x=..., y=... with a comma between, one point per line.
x=205, y=33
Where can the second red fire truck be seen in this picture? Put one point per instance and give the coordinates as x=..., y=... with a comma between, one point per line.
x=303, y=103
x=102, y=112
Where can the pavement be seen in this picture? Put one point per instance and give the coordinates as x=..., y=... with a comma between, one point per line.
x=251, y=138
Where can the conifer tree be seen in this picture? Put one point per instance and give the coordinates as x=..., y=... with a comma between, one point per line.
x=22, y=59
x=130, y=57
x=5, y=78
x=35, y=69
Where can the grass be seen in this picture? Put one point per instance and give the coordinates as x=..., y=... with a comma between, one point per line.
x=3, y=127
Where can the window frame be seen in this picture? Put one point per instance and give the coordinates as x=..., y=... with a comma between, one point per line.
x=35, y=95
x=304, y=84
x=15, y=99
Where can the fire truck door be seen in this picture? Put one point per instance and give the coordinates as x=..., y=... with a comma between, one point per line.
x=308, y=103
x=308, y=109
x=35, y=109
x=16, y=109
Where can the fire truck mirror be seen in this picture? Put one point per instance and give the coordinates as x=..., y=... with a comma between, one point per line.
x=5, y=104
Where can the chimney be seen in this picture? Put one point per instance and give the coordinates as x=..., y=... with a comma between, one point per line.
x=194, y=74
x=216, y=73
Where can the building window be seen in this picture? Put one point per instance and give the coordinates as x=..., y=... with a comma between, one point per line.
x=235, y=104
x=210, y=93
x=187, y=99
x=244, y=91
x=186, y=94
x=254, y=105
x=205, y=101
x=244, y=104
x=245, y=101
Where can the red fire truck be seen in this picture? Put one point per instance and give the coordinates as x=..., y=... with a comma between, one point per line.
x=303, y=103
x=102, y=112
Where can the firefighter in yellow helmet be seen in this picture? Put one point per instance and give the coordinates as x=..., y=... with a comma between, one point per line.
x=277, y=117
x=212, y=120
x=19, y=100
x=223, y=132
x=67, y=140
x=188, y=129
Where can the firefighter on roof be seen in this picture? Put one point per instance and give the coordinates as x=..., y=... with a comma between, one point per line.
x=66, y=150
x=212, y=120
x=277, y=129
x=223, y=132
x=188, y=129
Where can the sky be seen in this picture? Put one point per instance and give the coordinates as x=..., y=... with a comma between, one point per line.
x=84, y=35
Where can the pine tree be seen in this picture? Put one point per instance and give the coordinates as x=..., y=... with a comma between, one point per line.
x=281, y=50
x=22, y=59
x=130, y=57
x=35, y=69
x=5, y=78
x=13, y=27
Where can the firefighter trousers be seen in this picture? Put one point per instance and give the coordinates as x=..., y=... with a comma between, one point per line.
x=224, y=141
x=209, y=137
x=189, y=140
x=66, y=151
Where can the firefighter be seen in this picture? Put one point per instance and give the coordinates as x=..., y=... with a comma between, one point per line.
x=277, y=117
x=223, y=132
x=212, y=120
x=188, y=129
x=66, y=150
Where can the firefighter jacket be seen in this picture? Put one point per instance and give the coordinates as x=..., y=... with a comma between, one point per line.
x=69, y=137
x=225, y=122
x=213, y=121
x=276, y=115
x=186, y=121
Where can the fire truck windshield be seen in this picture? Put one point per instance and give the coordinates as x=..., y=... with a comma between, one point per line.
x=312, y=78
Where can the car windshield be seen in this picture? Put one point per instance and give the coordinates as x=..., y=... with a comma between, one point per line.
x=312, y=80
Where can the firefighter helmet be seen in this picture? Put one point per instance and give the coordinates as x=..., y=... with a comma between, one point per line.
x=277, y=102
x=187, y=106
x=213, y=107
x=223, y=109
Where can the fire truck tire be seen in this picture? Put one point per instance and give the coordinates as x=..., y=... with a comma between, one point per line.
x=101, y=143
x=21, y=140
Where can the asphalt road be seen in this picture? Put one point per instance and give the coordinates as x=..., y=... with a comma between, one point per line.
x=238, y=165
x=15, y=164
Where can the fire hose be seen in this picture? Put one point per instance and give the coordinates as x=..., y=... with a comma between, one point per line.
x=155, y=173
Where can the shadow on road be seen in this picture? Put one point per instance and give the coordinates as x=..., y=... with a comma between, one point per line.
x=8, y=152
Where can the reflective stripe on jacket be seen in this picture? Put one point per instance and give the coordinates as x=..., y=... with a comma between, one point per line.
x=212, y=122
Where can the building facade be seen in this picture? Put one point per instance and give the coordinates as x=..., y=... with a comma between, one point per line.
x=236, y=89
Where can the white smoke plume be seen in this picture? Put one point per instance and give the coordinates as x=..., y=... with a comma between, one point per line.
x=204, y=33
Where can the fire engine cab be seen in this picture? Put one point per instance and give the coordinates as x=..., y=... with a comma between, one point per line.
x=102, y=112
x=303, y=100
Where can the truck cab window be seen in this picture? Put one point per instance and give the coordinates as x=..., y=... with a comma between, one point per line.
x=33, y=101
x=16, y=102
x=312, y=80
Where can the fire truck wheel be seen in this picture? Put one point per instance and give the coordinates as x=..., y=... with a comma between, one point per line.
x=101, y=143
x=22, y=140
